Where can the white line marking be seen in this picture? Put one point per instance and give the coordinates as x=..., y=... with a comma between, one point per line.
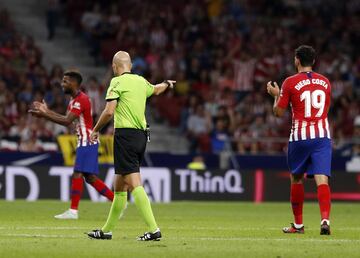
x=249, y=239
x=255, y=239
x=255, y=228
x=172, y=228
x=42, y=228
x=41, y=235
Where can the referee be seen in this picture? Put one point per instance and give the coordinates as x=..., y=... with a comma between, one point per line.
x=126, y=97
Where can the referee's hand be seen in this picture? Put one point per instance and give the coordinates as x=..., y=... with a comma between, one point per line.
x=171, y=83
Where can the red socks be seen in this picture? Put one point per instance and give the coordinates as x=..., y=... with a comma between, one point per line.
x=76, y=191
x=324, y=200
x=297, y=201
x=77, y=188
x=103, y=189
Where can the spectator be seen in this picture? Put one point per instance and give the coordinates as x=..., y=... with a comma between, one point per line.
x=244, y=72
x=182, y=85
x=94, y=92
x=197, y=164
x=188, y=110
x=219, y=136
x=257, y=129
x=356, y=137
x=52, y=17
x=227, y=81
x=198, y=126
x=90, y=19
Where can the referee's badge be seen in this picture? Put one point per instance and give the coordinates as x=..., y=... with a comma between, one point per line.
x=111, y=93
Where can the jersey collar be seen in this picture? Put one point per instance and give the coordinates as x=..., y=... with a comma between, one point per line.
x=308, y=74
x=77, y=94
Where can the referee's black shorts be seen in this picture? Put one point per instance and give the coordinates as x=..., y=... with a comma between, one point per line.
x=129, y=149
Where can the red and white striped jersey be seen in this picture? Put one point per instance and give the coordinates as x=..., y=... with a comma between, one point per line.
x=309, y=95
x=81, y=107
x=244, y=75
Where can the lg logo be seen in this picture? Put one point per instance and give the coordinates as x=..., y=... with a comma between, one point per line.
x=193, y=181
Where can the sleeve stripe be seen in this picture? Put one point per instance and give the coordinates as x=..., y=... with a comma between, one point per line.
x=112, y=99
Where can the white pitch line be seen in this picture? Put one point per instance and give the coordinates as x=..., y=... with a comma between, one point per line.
x=40, y=235
x=255, y=239
x=254, y=228
x=248, y=239
x=171, y=228
x=41, y=228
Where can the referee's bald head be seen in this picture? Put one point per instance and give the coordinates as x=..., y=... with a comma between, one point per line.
x=121, y=62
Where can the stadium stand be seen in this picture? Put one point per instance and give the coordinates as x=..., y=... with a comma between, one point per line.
x=220, y=52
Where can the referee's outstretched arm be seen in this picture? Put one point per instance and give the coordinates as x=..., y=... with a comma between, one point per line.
x=109, y=110
x=161, y=87
x=122, y=64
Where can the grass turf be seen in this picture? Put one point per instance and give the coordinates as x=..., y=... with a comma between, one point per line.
x=190, y=229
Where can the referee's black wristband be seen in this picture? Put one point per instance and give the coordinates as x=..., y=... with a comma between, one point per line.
x=167, y=83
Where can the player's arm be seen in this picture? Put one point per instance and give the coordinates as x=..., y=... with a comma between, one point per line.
x=274, y=91
x=161, y=87
x=41, y=110
x=278, y=111
x=106, y=115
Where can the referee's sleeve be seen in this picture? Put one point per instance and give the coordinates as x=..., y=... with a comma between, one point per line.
x=149, y=89
x=113, y=91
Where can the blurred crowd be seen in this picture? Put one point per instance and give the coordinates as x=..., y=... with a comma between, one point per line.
x=221, y=53
x=24, y=79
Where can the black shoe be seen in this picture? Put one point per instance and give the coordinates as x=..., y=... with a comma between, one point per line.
x=325, y=228
x=150, y=236
x=99, y=234
x=292, y=229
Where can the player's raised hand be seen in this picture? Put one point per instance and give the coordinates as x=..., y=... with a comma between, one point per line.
x=34, y=112
x=38, y=108
x=35, y=109
x=42, y=106
x=273, y=89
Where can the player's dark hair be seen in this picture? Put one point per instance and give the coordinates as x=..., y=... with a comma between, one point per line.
x=75, y=76
x=306, y=55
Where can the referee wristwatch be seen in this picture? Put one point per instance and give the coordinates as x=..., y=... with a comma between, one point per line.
x=167, y=83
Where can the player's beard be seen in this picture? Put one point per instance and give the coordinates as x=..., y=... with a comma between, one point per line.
x=67, y=91
x=296, y=67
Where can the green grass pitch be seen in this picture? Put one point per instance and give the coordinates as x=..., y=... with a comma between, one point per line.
x=190, y=229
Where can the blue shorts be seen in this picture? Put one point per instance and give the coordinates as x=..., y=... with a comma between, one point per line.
x=312, y=157
x=87, y=159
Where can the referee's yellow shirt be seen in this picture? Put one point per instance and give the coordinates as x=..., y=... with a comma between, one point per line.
x=131, y=92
